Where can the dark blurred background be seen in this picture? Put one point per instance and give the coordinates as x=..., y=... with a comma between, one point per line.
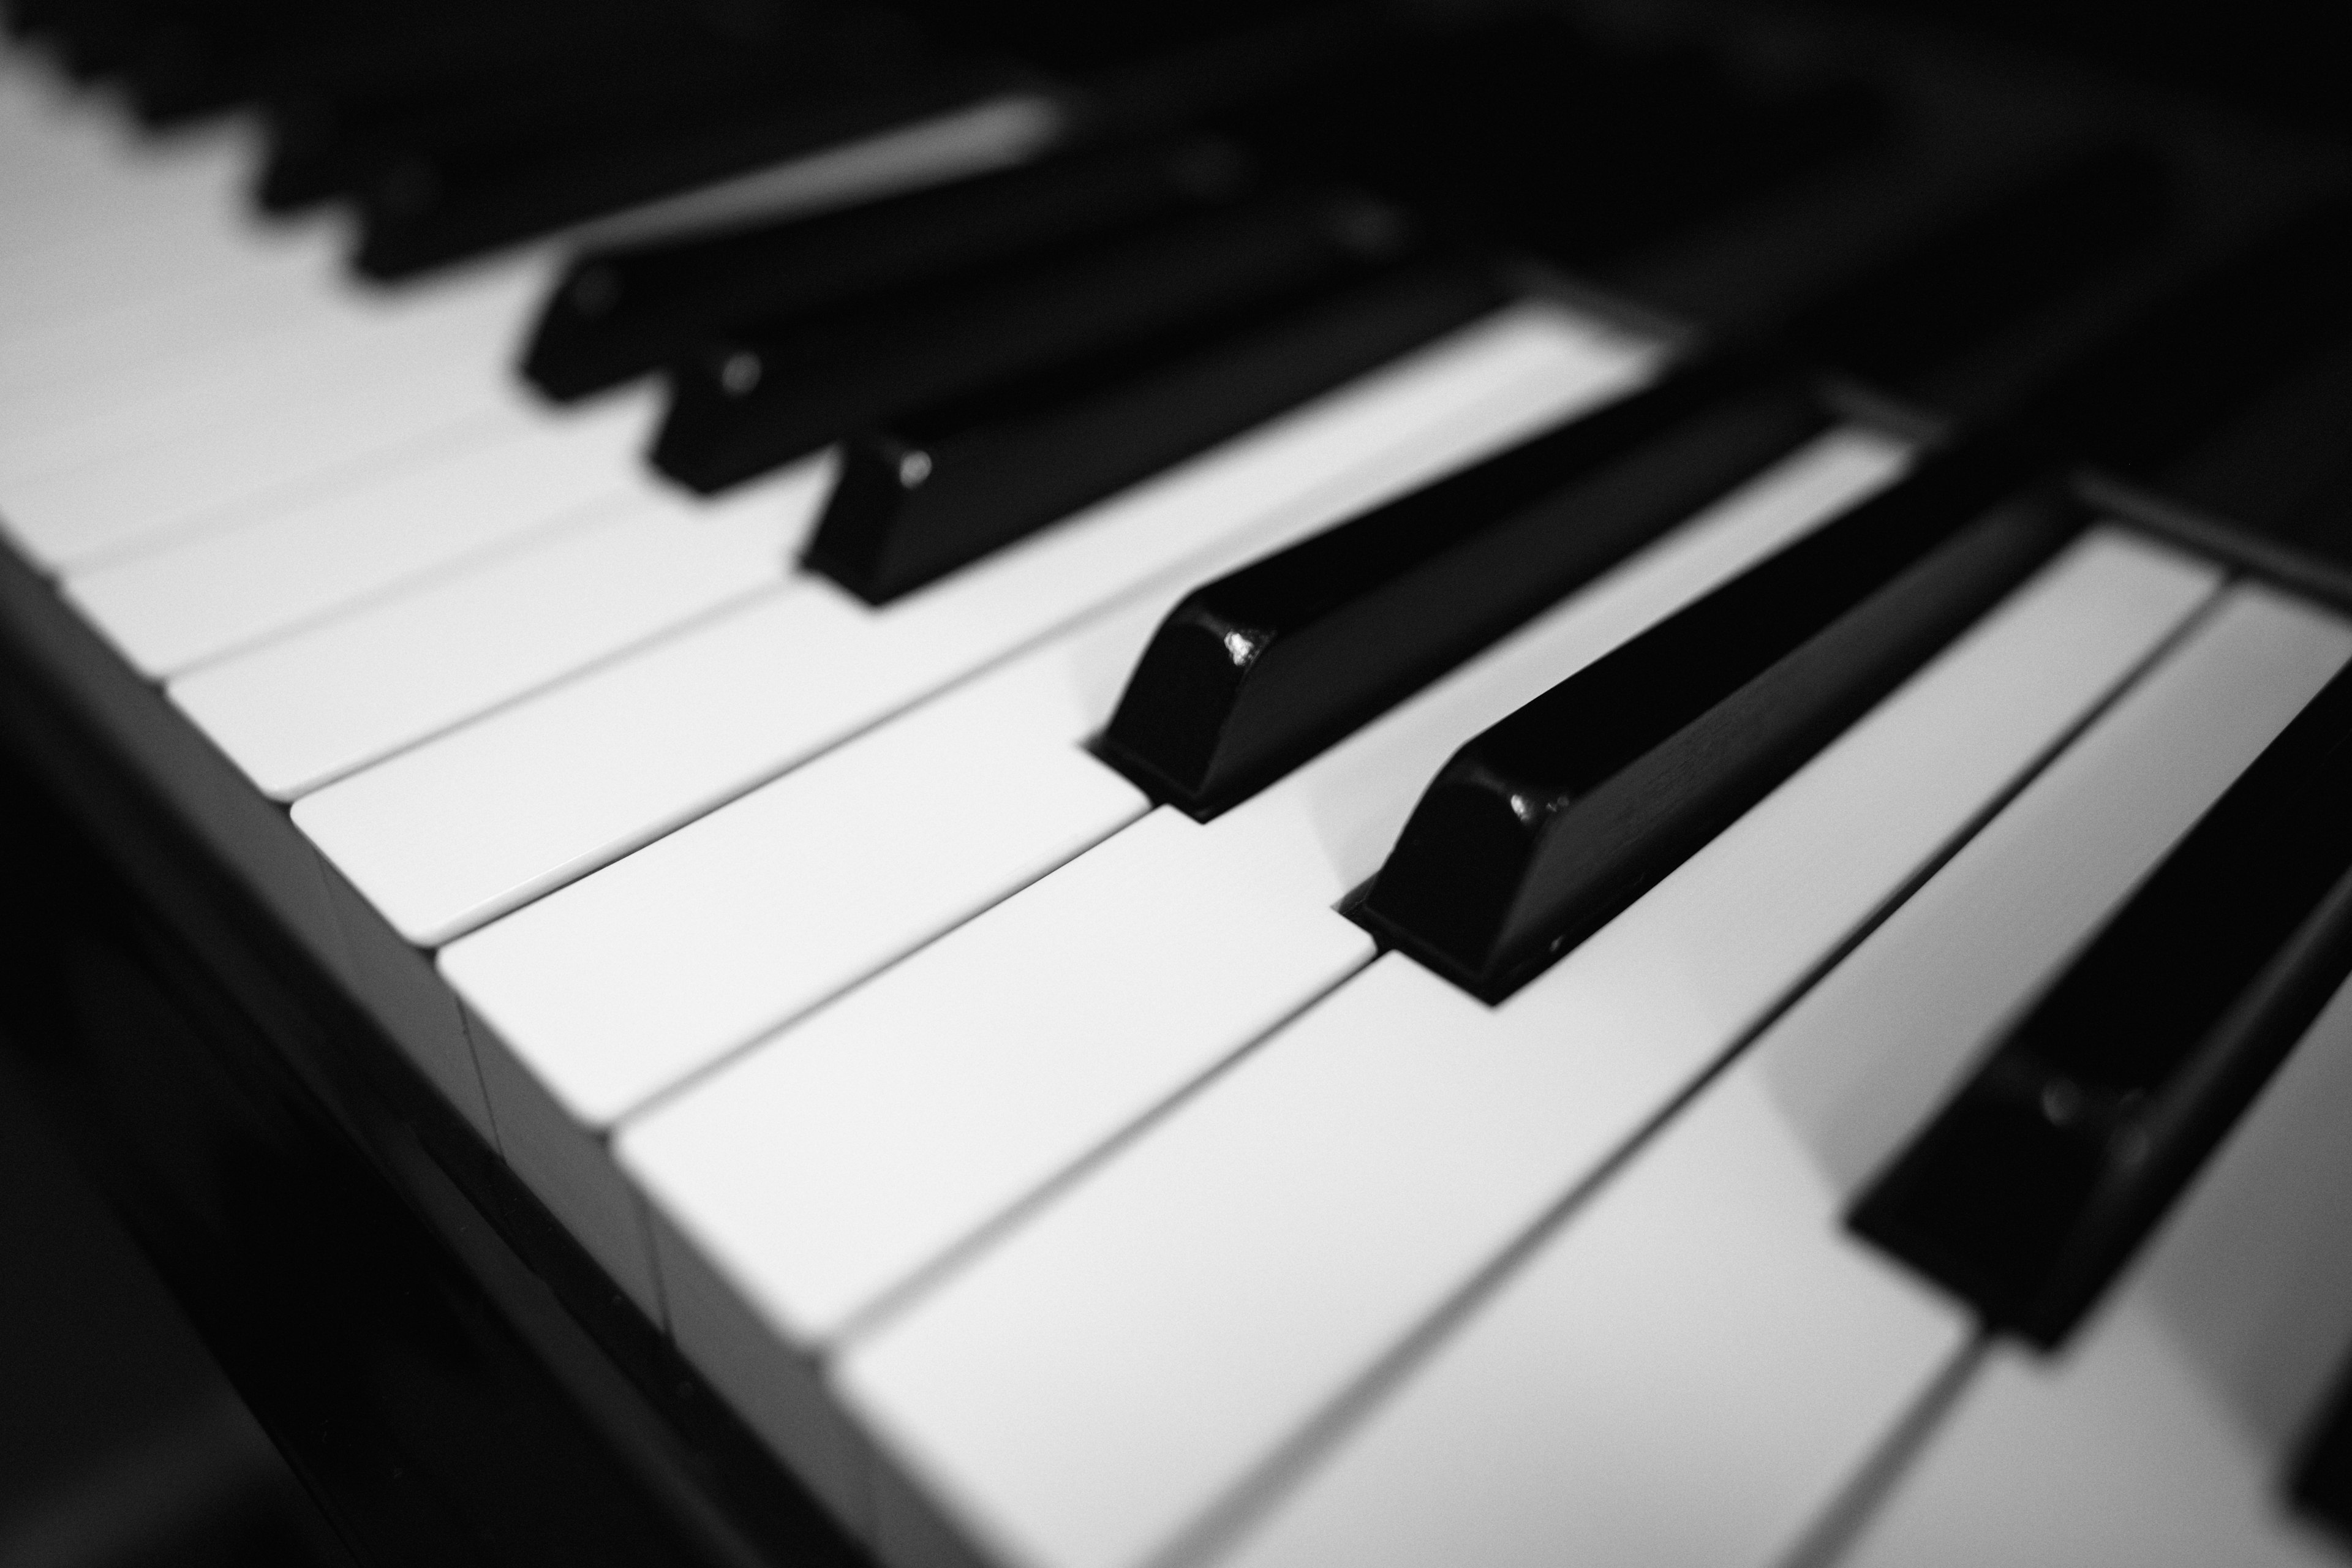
x=122, y=1445
x=2277, y=60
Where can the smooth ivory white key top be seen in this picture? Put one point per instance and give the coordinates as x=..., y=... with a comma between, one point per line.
x=311, y=707
x=1692, y=1365
x=1178, y=1313
x=307, y=343
x=615, y=988
x=2165, y=1431
x=956, y=1084
x=186, y=603
x=459, y=831
x=362, y=398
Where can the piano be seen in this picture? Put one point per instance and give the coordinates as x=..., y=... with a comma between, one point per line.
x=1298, y=785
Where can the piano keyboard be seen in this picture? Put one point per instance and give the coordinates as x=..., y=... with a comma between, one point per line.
x=1359, y=988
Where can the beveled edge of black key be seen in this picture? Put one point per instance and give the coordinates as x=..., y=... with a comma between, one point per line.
x=1448, y=891
x=894, y=522
x=2130, y=1158
x=1172, y=717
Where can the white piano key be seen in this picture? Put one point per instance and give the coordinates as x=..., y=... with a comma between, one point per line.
x=460, y=831
x=355, y=399
x=956, y=1084
x=1175, y=1315
x=2166, y=1430
x=312, y=705
x=189, y=601
x=124, y=349
x=295, y=337
x=1696, y=1362
x=620, y=985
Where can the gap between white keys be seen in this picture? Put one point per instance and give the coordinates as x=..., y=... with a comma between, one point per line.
x=459, y=831
x=826, y=1166
x=1177, y=1314
x=1690, y=1367
x=618, y=986
x=276, y=418
x=228, y=589
x=316, y=704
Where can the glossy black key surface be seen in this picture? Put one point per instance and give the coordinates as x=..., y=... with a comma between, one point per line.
x=1543, y=827
x=1253, y=674
x=944, y=486
x=2032, y=1188
x=759, y=399
x=620, y=314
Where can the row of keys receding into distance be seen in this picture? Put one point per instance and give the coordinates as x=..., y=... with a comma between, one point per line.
x=1625, y=677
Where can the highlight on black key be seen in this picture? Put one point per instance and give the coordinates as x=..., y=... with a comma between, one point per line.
x=2034, y=1186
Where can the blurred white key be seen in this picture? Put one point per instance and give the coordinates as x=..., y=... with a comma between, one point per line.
x=222, y=590
x=1179, y=1313
x=1696, y=1361
x=958, y=1083
x=312, y=705
x=332, y=413
x=2164, y=1432
x=104, y=391
x=459, y=832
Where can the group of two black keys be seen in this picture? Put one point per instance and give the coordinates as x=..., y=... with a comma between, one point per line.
x=2033, y=1186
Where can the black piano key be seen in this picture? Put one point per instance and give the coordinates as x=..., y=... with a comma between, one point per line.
x=2032, y=1188
x=1254, y=673
x=830, y=76
x=1542, y=828
x=2028, y=243
x=327, y=140
x=942, y=487
x=758, y=399
x=2002, y=254
x=1538, y=130
x=621, y=312
x=2321, y=1484
x=426, y=209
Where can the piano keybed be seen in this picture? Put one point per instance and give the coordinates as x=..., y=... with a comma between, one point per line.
x=1057, y=1166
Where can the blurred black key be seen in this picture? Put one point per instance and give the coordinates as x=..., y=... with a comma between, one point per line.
x=428, y=208
x=2034, y=1184
x=1532, y=129
x=1253, y=674
x=325, y=143
x=1542, y=828
x=2321, y=1482
x=619, y=313
x=759, y=399
x=2024, y=244
x=944, y=486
